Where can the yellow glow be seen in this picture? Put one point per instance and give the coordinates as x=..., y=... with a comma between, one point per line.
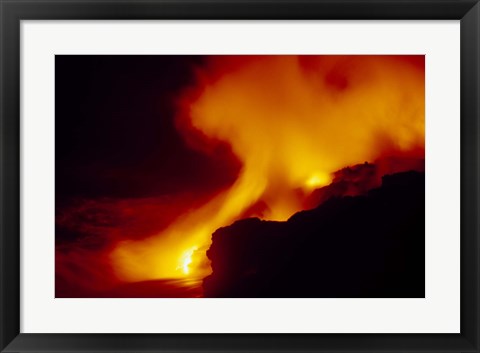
x=291, y=128
x=186, y=260
x=316, y=181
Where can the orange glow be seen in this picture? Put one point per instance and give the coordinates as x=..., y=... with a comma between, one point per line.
x=292, y=121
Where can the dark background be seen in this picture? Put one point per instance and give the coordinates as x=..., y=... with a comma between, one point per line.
x=115, y=133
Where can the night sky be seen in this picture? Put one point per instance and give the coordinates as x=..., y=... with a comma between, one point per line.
x=115, y=130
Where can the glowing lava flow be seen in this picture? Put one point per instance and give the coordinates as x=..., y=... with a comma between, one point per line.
x=291, y=121
x=187, y=260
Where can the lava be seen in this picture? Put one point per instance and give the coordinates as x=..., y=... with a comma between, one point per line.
x=292, y=121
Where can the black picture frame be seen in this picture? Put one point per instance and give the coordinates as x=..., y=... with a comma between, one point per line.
x=12, y=12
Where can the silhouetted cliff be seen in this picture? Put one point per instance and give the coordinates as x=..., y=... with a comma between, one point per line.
x=351, y=246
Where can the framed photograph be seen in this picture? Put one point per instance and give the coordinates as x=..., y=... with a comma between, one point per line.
x=239, y=176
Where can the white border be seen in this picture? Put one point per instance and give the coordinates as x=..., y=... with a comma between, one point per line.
x=439, y=312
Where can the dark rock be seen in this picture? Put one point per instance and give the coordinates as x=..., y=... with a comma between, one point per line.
x=351, y=246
